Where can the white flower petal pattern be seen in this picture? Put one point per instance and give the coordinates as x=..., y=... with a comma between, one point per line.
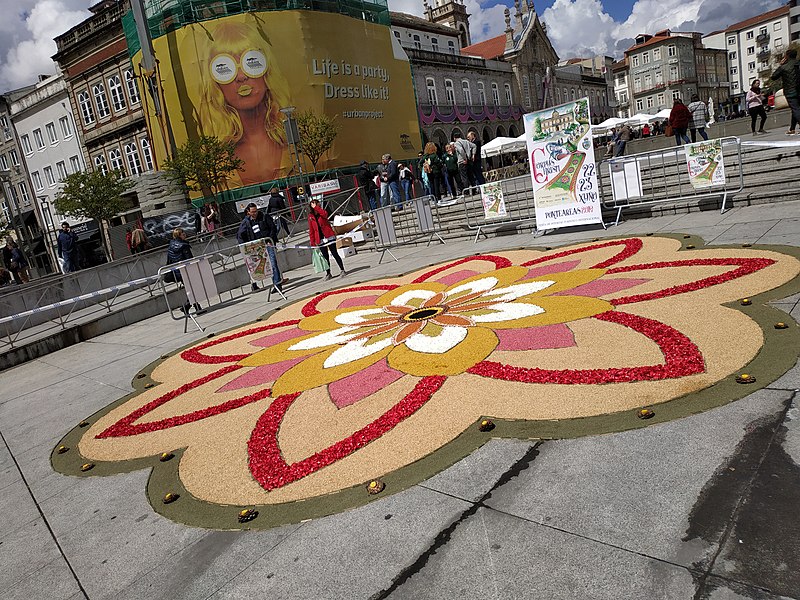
x=508, y=312
x=356, y=317
x=404, y=298
x=353, y=351
x=473, y=287
x=447, y=339
x=328, y=338
x=513, y=292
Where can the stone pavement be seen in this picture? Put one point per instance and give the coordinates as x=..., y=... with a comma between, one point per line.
x=700, y=508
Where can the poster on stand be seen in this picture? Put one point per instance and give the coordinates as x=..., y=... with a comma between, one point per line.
x=494, y=206
x=257, y=260
x=705, y=165
x=562, y=165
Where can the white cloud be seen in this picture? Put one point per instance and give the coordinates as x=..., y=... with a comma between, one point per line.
x=28, y=50
x=486, y=20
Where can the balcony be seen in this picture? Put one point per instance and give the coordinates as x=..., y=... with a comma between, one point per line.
x=763, y=54
x=467, y=113
x=762, y=38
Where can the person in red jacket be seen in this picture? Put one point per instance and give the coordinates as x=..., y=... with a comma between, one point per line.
x=679, y=118
x=322, y=235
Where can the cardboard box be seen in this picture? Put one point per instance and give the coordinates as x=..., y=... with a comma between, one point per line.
x=345, y=247
x=342, y=225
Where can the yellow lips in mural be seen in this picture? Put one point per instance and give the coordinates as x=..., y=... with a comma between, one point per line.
x=244, y=90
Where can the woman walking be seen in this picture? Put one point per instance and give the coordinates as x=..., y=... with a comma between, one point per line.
x=432, y=165
x=679, y=118
x=699, y=118
x=755, y=106
x=322, y=235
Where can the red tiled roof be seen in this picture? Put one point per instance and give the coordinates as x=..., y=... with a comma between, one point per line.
x=653, y=40
x=491, y=48
x=773, y=14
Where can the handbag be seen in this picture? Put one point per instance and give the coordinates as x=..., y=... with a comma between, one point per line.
x=668, y=131
x=780, y=100
x=318, y=261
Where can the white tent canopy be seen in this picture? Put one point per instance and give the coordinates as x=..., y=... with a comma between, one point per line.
x=609, y=123
x=663, y=113
x=501, y=145
x=641, y=119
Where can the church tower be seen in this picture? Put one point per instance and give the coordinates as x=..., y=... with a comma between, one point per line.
x=453, y=14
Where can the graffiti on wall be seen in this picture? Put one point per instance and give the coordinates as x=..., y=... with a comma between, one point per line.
x=159, y=228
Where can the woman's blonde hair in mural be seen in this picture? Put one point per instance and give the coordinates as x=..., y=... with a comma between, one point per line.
x=216, y=116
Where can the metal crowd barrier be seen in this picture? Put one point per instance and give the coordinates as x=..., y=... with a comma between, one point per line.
x=407, y=223
x=518, y=197
x=661, y=176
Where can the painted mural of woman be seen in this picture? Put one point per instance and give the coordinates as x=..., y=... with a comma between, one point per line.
x=241, y=94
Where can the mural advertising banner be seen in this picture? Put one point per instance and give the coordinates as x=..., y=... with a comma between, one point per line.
x=494, y=205
x=230, y=77
x=562, y=166
x=257, y=260
x=705, y=164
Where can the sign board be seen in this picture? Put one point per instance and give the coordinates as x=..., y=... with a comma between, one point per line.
x=626, y=179
x=494, y=206
x=256, y=259
x=259, y=201
x=704, y=163
x=324, y=187
x=562, y=165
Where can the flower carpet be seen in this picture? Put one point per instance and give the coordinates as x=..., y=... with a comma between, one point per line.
x=292, y=416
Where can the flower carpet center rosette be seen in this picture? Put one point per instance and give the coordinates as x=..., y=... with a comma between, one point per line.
x=389, y=379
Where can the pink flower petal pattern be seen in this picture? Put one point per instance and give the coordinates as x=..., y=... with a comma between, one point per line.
x=358, y=386
x=357, y=301
x=456, y=276
x=277, y=338
x=536, y=338
x=561, y=267
x=600, y=287
x=260, y=375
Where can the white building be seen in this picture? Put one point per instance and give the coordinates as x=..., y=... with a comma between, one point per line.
x=50, y=145
x=754, y=47
x=620, y=72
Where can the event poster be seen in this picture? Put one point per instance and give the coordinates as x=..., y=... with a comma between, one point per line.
x=257, y=260
x=562, y=165
x=494, y=206
x=704, y=162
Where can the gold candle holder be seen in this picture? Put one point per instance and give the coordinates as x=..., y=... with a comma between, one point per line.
x=485, y=425
x=376, y=486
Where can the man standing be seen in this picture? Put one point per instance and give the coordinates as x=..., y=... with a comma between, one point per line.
x=390, y=180
x=465, y=152
x=624, y=136
x=67, y=242
x=366, y=183
x=276, y=209
x=256, y=226
x=787, y=72
x=477, y=161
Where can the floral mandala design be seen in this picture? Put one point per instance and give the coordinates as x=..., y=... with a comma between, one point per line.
x=369, y=380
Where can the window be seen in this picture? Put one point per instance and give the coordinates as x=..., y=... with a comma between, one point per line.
x=100, y=100
x=115, y=156
x=734, y=70
x=26, y=144
x=37, y=135
x=417, y=43
x=751, y=66
x=87, y=112
x=117, y=95
x=732, y=55
x=509, y=97
x=23, y=191
x=660, y=99
x=133, y=90
x=649, y=102
x=51, y=133
x=75, y=164
x=636, y=61
x=673, y=73
x=751, y=50
x=659, y=77
x=3, y=162
x=62, y=170
x=637, y=84
x=731, y=40
x=672, y=51
x=397, y=34
x=495, y=94
x=66, y=127
x=132, y=154
x=12, y=154
x=100, y=164
x=526, y=90
x=481, y=94
x=648, y=81
x=451, y=46
x=6, y=128
x=762, y=31
x=147, y=155
x=639, y=105
x=676, y=94
x=645, y=58
x=37, y=180
x=449, y=91
x=14, y=195
x=749, y=35
x=656, y=54
x=558, y=96
x=776, y=26
x=435, y=44
x=735, y=85
x=778, y=42
x=466, y=91
x=431, y=85
x=48, y=175
x=572, y=93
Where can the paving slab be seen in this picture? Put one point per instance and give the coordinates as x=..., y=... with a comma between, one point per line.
x=86, y=356
x=637, y=490
x=16, y=500
x=53, y=581
x=724, y=589
x=24, y=551
x=789, y=381
x=30, y=377
x=745, y=233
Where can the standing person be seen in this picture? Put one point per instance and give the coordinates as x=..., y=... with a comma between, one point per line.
x=433, y=167
x=477, y=160
x=210, y=219
x=276, y=210
x=390, y=181
x=255, y=226
x=67, y=247
x=679, y=118
x=646, y=130
x=465, y=151
x=451, y=170
x=138, y=240
x=322, y=235
x=179, y=250
x=787, y=72
x=15, y=261
x=624, y=136
x=406, y=180
x=128, y=234
x=755, y=106
x=699, y=113
x=367, y=184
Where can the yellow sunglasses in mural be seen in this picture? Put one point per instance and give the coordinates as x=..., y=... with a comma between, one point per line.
x=253, y=63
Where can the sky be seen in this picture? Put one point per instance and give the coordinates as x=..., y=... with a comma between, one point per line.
x=575, y=27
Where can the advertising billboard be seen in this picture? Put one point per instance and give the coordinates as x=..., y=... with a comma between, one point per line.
x=230, y=77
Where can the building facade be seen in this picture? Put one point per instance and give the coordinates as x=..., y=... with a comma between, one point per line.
x=585, y=78
x=754, y=48
x=619, y=71
x=794, y=22
x=107, y=101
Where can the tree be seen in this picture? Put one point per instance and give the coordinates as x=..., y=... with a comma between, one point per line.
x=317, y=133
x=204, y=165
x=93, y=195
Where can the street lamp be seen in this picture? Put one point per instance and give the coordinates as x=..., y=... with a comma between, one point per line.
x=293, y=137
x=47, y=221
